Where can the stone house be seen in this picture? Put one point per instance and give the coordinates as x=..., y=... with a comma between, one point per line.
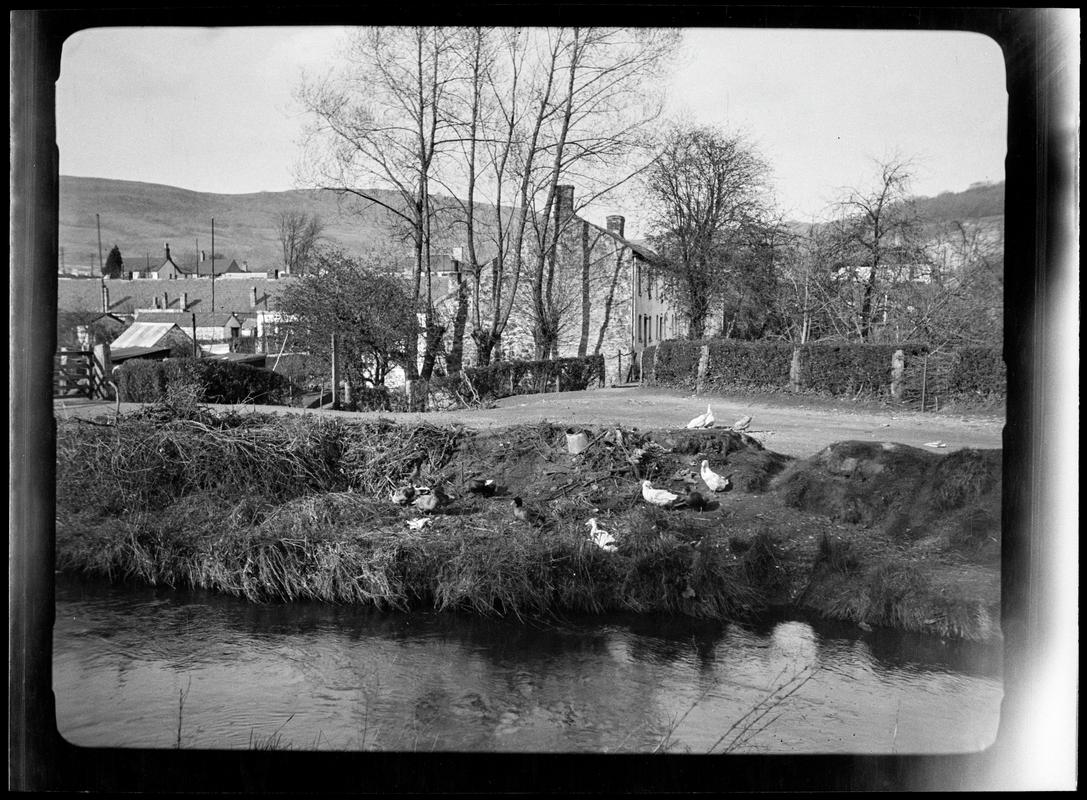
x=611, y=301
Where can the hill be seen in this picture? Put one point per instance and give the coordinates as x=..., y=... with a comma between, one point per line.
x=140, y=217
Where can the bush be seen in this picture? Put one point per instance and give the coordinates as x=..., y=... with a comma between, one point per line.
x=763, y=365
x=506, y=378
x=980, y=371
x=677, y=363
x=847, y=368
x=142, y=381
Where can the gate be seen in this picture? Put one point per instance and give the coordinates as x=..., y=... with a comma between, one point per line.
x=76, y=374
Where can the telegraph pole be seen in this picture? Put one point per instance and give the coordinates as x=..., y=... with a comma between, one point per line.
x=101, y=269
x=213, y=263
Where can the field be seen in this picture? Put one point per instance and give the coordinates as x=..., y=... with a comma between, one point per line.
x=842, y=512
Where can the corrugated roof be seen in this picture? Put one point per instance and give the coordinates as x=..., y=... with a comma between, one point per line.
x=119, y=354
x=144, y=334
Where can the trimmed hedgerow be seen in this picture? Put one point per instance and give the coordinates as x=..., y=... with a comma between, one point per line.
x=762, y=365
x=142, y=381
x=506, y=378
x=677, y=362
x=847, y=368
x=980, y=371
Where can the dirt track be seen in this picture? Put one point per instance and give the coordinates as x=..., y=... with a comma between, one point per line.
x=793, y=426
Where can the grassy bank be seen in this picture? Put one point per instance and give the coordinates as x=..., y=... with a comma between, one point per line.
x=285, y=508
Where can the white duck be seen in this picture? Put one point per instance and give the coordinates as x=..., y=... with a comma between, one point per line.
x=657, y=497
x=600, y=537
x=706, y=420
x=716, y=483
x=419, y=524
x=742, y=423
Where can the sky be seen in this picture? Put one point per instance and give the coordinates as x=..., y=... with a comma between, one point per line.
x=217, y=113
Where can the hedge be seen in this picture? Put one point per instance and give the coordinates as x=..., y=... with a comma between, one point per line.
x=751, y=365
x=835, y=369
x=506, y=378
x=143, y=381
x=980, y=370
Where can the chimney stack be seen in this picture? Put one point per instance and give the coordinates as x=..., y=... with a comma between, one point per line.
x=184, y=301
x=105, y=299
x=253, y=297
x=166, y=247
x=165, y=299
x=564, y=203
x=616, y=224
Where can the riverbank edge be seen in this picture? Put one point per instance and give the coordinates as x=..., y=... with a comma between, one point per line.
x=327, y=543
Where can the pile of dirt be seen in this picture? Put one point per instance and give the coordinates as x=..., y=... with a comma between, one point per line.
x=908, y=494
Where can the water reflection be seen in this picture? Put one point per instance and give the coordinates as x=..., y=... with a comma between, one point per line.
x=338, y=677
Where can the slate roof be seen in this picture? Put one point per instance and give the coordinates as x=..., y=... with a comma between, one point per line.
x=125, y=296
x=217, y=319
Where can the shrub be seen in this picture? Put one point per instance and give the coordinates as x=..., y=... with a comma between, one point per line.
x=980, y=370
x=763, y=365
x=677, y=363
x=141, y=381
x=648, y=371
x=506, y=378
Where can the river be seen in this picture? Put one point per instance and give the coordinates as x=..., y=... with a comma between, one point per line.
x=138, y=666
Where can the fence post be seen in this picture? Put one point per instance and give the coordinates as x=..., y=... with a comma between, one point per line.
x=795, y=383
x=703, y=366
x=102, y=369
x=924, y=380
x=898, y=370
x=335, y=372
x=619, y=372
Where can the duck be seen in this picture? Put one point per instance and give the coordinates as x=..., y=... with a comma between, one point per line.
x=428, y=503
x=693, y=500
x=403, y=495
x=742, y=423
x=485, y=488
x=715, y=482
x=419, y=523
x=657, y=497
x=600, y=537
x=527, y=514
x=706, y=420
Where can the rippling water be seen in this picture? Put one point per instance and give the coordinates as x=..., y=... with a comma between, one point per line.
x=145, y=667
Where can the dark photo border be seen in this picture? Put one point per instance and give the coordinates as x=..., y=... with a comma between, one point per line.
x=1040, y=498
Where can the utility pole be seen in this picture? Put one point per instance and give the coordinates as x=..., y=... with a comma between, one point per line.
x=213, y=263
x=101, y=269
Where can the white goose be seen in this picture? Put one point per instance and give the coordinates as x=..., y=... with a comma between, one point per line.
x=657, y=497
x=706, y=420
x=600, y=537
x=716, y=483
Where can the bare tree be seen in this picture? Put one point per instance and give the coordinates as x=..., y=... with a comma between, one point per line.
x=384, y=117
x=879, y=240
x=299, y=233
x=708, y=188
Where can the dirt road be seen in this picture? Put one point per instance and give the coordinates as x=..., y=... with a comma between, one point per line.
x=794, y=426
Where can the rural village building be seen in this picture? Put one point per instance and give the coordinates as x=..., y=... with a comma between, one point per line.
x=155, y=335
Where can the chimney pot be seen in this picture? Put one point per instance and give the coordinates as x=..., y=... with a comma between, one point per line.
x=616, y=224
x=564, y=202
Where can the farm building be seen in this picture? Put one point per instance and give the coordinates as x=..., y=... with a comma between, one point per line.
x=209, y=326
x=155, y=335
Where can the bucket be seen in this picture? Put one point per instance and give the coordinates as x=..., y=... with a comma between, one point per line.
x=576, y=441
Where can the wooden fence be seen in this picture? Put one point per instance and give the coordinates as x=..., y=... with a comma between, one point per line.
x=82, y=373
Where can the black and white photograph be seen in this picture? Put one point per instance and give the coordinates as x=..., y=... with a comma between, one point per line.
x=691, y=392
